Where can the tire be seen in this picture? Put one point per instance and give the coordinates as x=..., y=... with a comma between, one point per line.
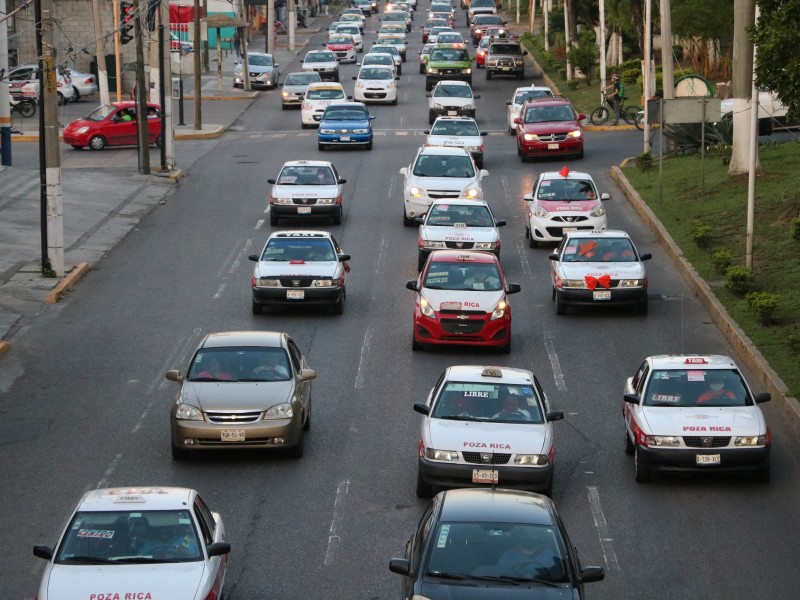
x=284, y=107
x=561, y=308
x=507, y=348
x=337, y=220
x=642, y=306
x=369, y=145
x=415, y=345
x=488, y=74
x=400, y=69
x=273, y=219
x=97, y=142
x=639, y=121
x=297, y=450
x=599, y=116
x=407, y=222
x=180, y=453
x=521, y=75
x=519, y=150
x=76, y=95
x=431, y=118
x=532, y=243
x=304, y=126
x=424, y=490
x=629, y=447
x=428, y=86
x=762, y=475
x=61, y=100
x=421, y=70
x=159, y=141
x=307, y=424
x=394, y=102
x=255, y=307
x=479, y=163
x=421, y=262
x=321, y=147
x=643, y=474
x=77, y=147
x=629, y=114
x=26, y=109
x=338, y=306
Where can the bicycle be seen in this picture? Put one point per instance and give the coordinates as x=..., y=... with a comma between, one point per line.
x=601, y=114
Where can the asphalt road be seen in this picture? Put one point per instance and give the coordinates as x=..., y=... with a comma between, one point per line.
x=85, y=403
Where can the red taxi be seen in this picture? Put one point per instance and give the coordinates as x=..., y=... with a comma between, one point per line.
x=462, y=300
x=112, y=124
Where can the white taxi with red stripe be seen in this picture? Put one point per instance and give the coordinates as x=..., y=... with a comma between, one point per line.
x=691, y=412
x=153, y=543
x=485, y=426
x=563, y=201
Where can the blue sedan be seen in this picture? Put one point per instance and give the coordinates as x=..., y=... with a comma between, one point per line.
x=345, y=124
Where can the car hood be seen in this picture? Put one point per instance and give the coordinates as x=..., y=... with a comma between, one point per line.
x=173, y=581
x=304, y=191
x=260, y=69
x=704, y=421
x=546, y=127
x=475, y=436
x=295, y=88
x=466, y=299
x=78, y=123
x=288, y=269
x=360, y=124
x=458, y=234
x=452, y=101
x=616, y=270
x=320, y=65
x=340, y=47
x=227, y=395
x=444, y=183
x=454, y=141
x=565, y=207
x=478, y=590
x=375, y=82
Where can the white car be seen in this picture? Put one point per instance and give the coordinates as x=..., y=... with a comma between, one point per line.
x=353, y=30
x=318, y=96
x=83, y=84
x=597, y=268
x=295, y=86
x=64, y=89
x=306, y=189
x=389, y=49
x=435, y=173
x=323, y=62
x=383, y=59
x=397, y=16
x=458, y=132
x=343, y=47
x=376, y=84
x=398, y=42
x=486, y=426
x=264, y=71
x=300, y=267
x=433, y=36
x=451, y=98
x=458, y=225
x=138, y=542
x=521, y=95
x=563, y=201
x=694, y=413
x=449, y=37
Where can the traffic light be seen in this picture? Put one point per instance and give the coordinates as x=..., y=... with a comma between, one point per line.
x=126, y=22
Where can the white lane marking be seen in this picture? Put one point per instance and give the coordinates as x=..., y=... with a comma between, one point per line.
x=109, y=472
x=523, y=257
x=259, y=223
x=606, y=541
x=237, y=261
x=159, y=382
x=381, y=254
x=266, y=210
x=228, y=259
x=556, y=368
x=336, y=521
x=402, y=120
x=220, y=291
x=361, y=374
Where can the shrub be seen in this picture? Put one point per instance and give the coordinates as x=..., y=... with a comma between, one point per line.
x=739, y=279
x=584, y=55
x=764, y=306
x=795, y=227
x=631, y=76
x=702, y=233
x=721, y=259
x=793, y=340
x=644, y=161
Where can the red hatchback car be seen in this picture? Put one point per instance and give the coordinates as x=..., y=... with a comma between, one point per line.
x=549, y=127
x=112, y=124
x=462, y=300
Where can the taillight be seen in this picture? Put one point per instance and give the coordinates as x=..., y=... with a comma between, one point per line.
x=253, y=281
x=551, y=456
x=641, y=437
x=212, y=595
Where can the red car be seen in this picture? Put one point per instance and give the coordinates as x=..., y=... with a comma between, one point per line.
x=549, y=127
x=483, y=49
x=109, y=125
x=462, y=300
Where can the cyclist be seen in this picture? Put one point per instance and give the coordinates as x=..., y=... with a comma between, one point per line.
x=615, y=97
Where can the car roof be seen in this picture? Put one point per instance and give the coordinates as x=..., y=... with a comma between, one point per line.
x=549, y=101
x=532, y=88
x=351, y=104
x=459, y=118
x=570, y=175
x=258, y=53
x=499, y=505
x=137, y=498
x=488, y=374
x=605, y=233
x=300, y=233
x=225, y=339
x=691, y=361
x=442, y=151
x=307, y=163
x=325, y=85
x=460, y=202
x=464, y=256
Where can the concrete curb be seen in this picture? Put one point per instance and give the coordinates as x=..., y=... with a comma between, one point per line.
x=242, y=96
x=207, y=133
x=767, y=378
x=67, y=282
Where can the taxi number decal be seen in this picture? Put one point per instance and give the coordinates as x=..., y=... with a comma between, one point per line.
x=102, y=534
x=438, y=274
x=443, y=533
x=287, y=179
x=485, y=445
x=275, y=250
x=703, y=428
x=122, y=596
x=430, y=280
x=665, y=398
x=695, y=376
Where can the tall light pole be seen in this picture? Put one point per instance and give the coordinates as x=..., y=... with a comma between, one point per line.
x=5, y=109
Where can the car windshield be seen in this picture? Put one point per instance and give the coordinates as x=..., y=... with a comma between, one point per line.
x=325, y=94
x=351, y=29
x=370, y=59
x=449, y=54
x=482, y=3
x=486, y=20
x=476, y=277
x=599, y=250
x=500, y=402
x=385, y=49
x=127, y=537
x=340, y=39
x=453, y=91
x=509, y=552
x=389, y=17
x=505, y=49
x=344, y=113
x=521, y=97
x=457, y=128
x=450, y=37
x=449, y=215
x=313, y=57
x=100, y=113
x=306, y=175
x=431, y=23
x=696, y=387
x=376, y=73
x=566, y=190
x=259, y=60
x=298, y=250
x=546, y=114
x=443, y=165
x=233, y=364
x=300, y=78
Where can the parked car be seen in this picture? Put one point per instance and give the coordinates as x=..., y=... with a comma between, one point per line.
x=112, y=124
x=264, y=71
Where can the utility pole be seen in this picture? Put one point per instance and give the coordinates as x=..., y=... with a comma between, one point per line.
x=667, y=71
x=270, y=33
x=205, y=44
x=167, y=141
x=741, y=83
x=290, y=4
x=116, y=51
x=49, y=150
x=567, y=37
x=5, y=108
x=602, y=39
x=139, y=9
x=648, y=85
x=198, y=81
x=100, y=51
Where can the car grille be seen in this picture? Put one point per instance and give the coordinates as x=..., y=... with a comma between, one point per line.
x=449, y=71
x=231, y=418
x=443, y=193
x=464, y=327
x=460, y=245
x=254, y=74
x=552, y=137
x=505, y=62
x=296, y=282
x=696, y=441
x=304, y=201
x=375, y=95
x=340, y=54
x=475, y=458
x=448, y=311
x=559, y=231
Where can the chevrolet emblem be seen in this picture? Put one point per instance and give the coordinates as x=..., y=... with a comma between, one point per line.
x=462, y=317
x=459, y=244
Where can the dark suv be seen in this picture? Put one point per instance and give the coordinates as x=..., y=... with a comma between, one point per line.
x=505, y=58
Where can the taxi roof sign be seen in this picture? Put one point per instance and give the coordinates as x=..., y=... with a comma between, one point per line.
x=695, y=360
x=491, y=372
x=465, y=257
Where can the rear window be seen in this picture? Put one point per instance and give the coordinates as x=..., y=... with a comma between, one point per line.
x=523, y=96
x=449, y=54
x=447, y=215
x=460, y=128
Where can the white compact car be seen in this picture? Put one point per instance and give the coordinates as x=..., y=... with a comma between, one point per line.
x=451, y=98
x=563, y=201
x=521, y=95
x=306, y=189
x=396, y=41
x=486, y=426
x=138, y=542
x=383, y=59
x=694, y=413
x=458, y=225
x=376, y=84
x=318, y=97
x=358, y=39
x=435, y=173
x=458, y=132
x=323, y=62
x=389, y=49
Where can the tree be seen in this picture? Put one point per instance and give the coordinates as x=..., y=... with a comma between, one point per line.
x=777, y=39
x=584, y=54
x=702, y=24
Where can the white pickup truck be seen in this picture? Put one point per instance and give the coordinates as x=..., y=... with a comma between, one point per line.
x=771, y=111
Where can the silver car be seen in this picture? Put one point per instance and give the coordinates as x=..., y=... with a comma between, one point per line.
x=294, y=87
x=264, y=71
x=83, y=84
x=242, y=389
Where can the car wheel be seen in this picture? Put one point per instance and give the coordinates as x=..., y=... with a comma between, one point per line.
x=369, y=145
x=520, y=75
x=394, y=102
x=407, y=221
x=283, y=106
x=321, y=147
x=629, y=447
x=98, y=142
x=431, y=117
x=424, y=490
x=76, y=94
x=273, y=219
x=399, y=69
x=338, y=306
x=428, y=86
x=643, y=474
x=488, y=74
x=179, y=453
x=304, y=126
x=507, y=348
x=307, y=424
x=479, y=163
x=296, y=451
x=76, y=147
x=519, y=150
x=762, y=475
x=337, y=220
x=61, y=100
x=415, y=345
x=532, y=243
x=256, y=307
x=561, y=308
x=159, y=141
x=579, y=155
x=643, y=306
x=421, y=261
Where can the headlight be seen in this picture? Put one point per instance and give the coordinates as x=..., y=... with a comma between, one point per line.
x=264, y=282
x=474, y=148
x=425, y=308
x=518, y=62
x=432, y=245
x=500, y=311
x=280, y=411
x=485, y=245
x=472, y=193
x=597, y=211
x=574, y=134
x=306, y=106
x=281, y=200
x=416, y=192
x=324, y=283
x=530, y=459
x=82, y=130
x=391, y=85
x=326, y=200
x=438, y=106
x=187, y=412
x=359, y=85
x=433, y=70
x=530, y=137
x=574, y=283
x=441, y=455
x=327, y=131
x=361, y=131
x=663, y=441
x=540, y=212
x=628, y=283
x=750, y=440
x=285, y=94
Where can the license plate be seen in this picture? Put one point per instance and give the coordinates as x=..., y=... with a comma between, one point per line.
x=708, y=459
x=303, y=210
x=485, y=476
x=565, y=229
x=232, y=435
x=452, y=113
x=295, y=294
x=345, y=138
x=601, y=294
x=505, y=68
x=552, y=146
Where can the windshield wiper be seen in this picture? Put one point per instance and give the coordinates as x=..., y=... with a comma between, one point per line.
x=209, y=379
x=434, y=287
x=458, y=418
x=95, y=560
x=458, y=576
x=517, y=580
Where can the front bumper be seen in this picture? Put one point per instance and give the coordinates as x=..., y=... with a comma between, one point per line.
x=585, y=297
x=547, y=230
x=450, y=475
x=238, y=81
x=292, y=99
x=568, y=146
x=204, y=436
x=345, y=139
x=322, y=211
x=505, y=69
x=685, y=459
x=376, y=95
x=453, y=111
x=476, y=330
x=277, y=296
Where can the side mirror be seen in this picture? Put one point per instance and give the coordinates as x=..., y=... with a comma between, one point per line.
x=404, y=171
x=371, y=117
x=484, y=173
x=401, y=566
x=219, y=548
x=280, y=84
x=645, y=256
x=554, y=415
x=605, y=196
x=275, y=66
x=174, y=375
x=422, y=408
x=411, y=284
x=553, y=256
x=354, y=78
x=397, y=78
x=513, y=288
x=253, y=257
x=419, y=220
x=307, y=374
x=349, y=97
x=343, y=257
x=524, y=53
x=508, y=102
x=341, y=180
x=45, y=552
x=762, y=397
x=426, y=131
x=581, y=117
x=500, y=223
x=590, y=574
x=477, y=96
x=484, y=133
x=528, y=197
x=428, y=95
x=631, y=398
x=272, y=181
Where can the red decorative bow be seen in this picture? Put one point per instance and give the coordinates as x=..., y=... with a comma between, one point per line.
x=592, y=281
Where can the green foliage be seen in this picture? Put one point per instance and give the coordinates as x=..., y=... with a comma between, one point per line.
x=795, y=227
x=702, y=233
x=584, y=54
x=705, y=20
x=688, y=136
x=721, y=259
x=764, y=306
x=777, y=36
x=644, y=161
x=739, y=279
